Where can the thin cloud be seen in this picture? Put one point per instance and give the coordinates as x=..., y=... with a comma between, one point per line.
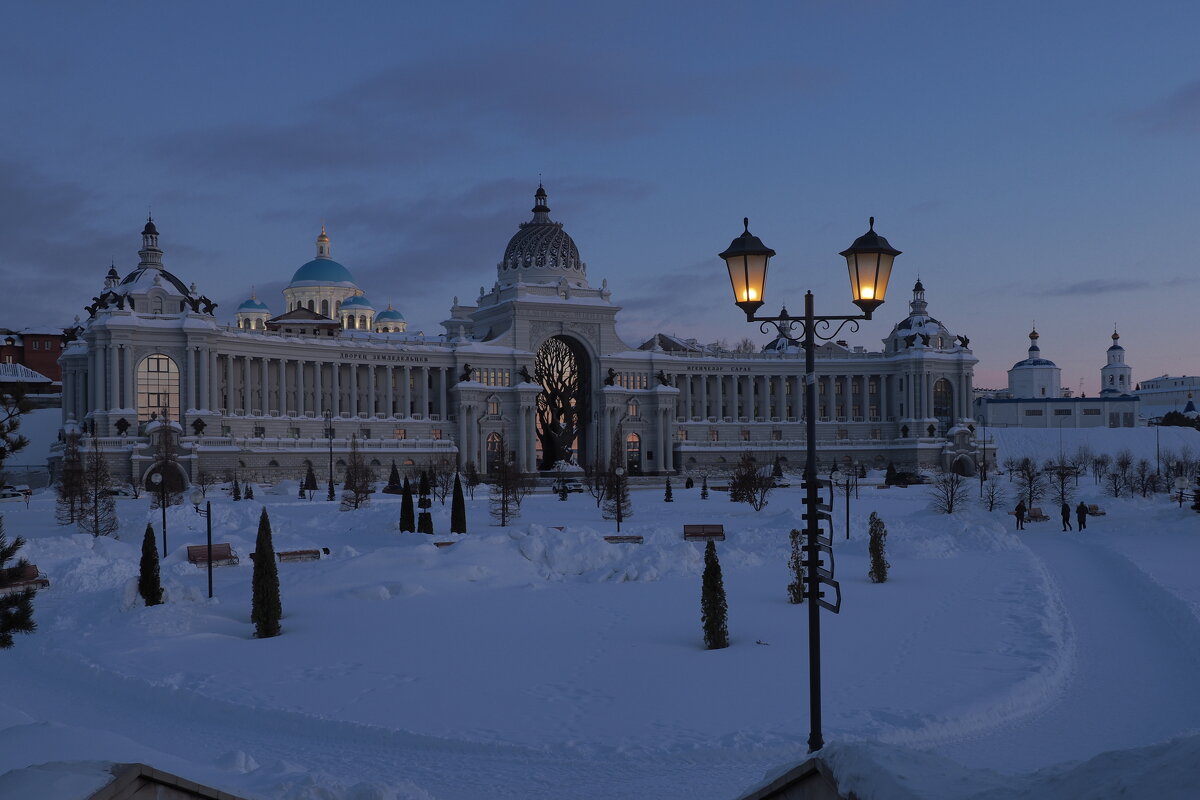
x=437, y=108
x=1178, y=112
x=1097, y=286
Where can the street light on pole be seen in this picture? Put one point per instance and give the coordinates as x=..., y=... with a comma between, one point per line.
x=329, y=435
x=196, y=497
x=620, y=473
x=160, y=486
x=869, y=261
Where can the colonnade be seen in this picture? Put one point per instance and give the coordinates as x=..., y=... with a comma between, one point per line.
x=257, y=386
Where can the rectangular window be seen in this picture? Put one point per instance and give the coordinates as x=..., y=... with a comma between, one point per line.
x=259, y=432
x=682, y=436
x=436, y=433
x=294, y=433
x=1062, y=412
x=225, y=431
x=777, y=436
x=873, y=387
x=1091, y=412
x=875, y=433
x=1033, y=412
x=714, y=435
x=874, y=411
x=36, y=344
x=398, y=433
x=843, y=433
x=744, y=435
x=364, y=433
x=493, y=408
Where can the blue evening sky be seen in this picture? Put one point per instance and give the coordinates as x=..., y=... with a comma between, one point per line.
x=1033, y=160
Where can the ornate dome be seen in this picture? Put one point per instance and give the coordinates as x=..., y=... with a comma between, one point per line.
x=389, y=315
x=541, y=249
x=253, y=304
x=322, y=272
x=358, y=301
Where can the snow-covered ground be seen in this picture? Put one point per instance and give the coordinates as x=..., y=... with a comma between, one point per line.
x=532, y=662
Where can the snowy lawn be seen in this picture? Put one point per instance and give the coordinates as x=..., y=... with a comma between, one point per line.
x=529, y=662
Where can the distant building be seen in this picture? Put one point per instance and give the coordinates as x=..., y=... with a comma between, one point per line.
x=1168, y=393
x=1035, y=397
x=38, y=349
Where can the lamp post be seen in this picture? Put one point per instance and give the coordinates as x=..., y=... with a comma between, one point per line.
x=160, y=486
x=196, y=496
x=869, y=261
x=620, y=473
x=329, y=435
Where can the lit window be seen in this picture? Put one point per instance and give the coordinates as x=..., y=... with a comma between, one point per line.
x=398, y=433
x=682, y=436
x=157, y=387
x=436, y=433
x=744, y=435
x=714, y=435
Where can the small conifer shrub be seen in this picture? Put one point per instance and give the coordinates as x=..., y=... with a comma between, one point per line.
x=879, y=565
x=714, y=611
x=149, y=582
x=266, y=608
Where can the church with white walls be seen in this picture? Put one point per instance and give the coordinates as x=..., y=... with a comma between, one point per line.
x=1036, y=398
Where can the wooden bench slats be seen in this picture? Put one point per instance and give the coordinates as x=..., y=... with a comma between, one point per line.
x=20, y=579
x=222, y=555
x=703, y=533
x=624, y=539
x=442, y=544
x=1094, y=510
x=287, y=556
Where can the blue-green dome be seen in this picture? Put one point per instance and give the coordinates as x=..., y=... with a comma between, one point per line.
x=358, y=301
x=390, y=315
x=253, y=304
x=323, y=272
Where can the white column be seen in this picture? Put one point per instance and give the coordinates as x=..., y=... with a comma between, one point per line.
x=372, y=391
x=282, y=387
x=391, y=392
x=335, y=388
x=719, y=401
x=704, y=410
x=520, y=444
x=300, y=387
x=734, y=405
x=318, y=389
x=354, y=409
x=228, y=396
x=264, y=387
x=442, y=392
x=423, y=373
x=101, y=379
x=406, y=393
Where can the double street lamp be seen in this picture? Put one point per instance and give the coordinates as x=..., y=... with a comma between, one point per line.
x=869, y=261
x=329, y=435
x=197, y=496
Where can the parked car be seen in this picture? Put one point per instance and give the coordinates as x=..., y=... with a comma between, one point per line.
x=779, y=483
x=119, y=491
x=568, y=484
x=23, y=491
x=11, y=496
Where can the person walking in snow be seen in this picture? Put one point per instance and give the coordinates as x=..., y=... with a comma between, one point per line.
x=1020, y=512
x=1081, y=513
x=1066, y=517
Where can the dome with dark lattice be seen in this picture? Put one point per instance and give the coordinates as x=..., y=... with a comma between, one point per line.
x=541, y=250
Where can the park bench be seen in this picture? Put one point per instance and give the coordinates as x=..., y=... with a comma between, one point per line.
x=1036, y=515
x=18, y=579
x=624, y=539
x=442, y=544
x=1095, y=510
x=222, y=555
x=285, y=556
x=704, y=533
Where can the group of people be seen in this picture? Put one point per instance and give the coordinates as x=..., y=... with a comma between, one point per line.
x=1081, y=514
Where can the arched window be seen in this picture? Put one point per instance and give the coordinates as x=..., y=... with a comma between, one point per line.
x=324, y=308
x=632, y=410
x=157, y=387
x=362, y=322
x=633, y=454
x=311, y=306
x=156, y=306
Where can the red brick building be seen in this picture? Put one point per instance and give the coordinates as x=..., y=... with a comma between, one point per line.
x=35, y=348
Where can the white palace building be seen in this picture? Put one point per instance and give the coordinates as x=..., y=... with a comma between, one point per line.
x=268, y=394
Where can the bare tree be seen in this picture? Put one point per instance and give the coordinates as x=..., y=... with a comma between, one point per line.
x=68, y=507
x=1114, y=483
x=1142, y=477
x=749, y=483
x=99, y=516
x=1010, y=466
x=1031, y=483
x=504, y=500
x=441, y=479
x=358, y=478
x=1059, y=477
x=948, y=492
x=470, y=477
x=595, y=480
x=1100, y=466
x=993, y=493
x=745, y=345
x=1123, y=464
x=205, y=481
